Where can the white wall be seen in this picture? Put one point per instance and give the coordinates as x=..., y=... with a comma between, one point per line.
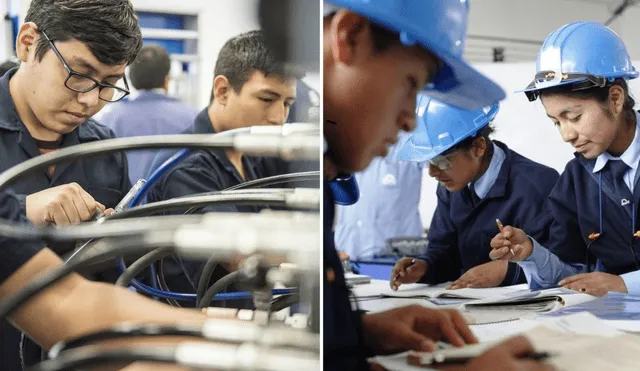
x=5, y=32
x=218, y=21
x=520, y=124
x=535, y=19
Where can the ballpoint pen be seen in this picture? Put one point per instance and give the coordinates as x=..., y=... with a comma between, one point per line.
x=501, y=227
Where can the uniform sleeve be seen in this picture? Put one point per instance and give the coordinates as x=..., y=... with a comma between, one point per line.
x=564, y=252
x=14, y=253
x=632, y=281
x=442, y=254
x=544, y=269
x=536, y=220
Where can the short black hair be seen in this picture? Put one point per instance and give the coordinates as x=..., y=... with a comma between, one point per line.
x=109, y=28
x=383, y=38
x=467, y=143
x=6, y=66
x=600, y=94
x=247, y=53
x=150, y=68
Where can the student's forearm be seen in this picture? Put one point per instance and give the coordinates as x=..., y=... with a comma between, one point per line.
x=545, y=269
x=75, y=306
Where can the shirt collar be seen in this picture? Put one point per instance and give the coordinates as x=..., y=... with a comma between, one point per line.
x=488, y=179
x=202, y=124
x=630, y=157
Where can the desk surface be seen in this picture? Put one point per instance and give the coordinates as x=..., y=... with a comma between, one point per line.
x=377, y=287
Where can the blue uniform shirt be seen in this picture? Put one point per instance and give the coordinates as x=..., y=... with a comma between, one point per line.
x=513, y=189
x=211, y=170
x=342, y=327
x=577, y=204
x=387, y=208
x=150, y=113
x=14, y=254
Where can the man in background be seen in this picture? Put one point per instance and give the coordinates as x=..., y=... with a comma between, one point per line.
x=387, y=208
x=6, y=66
x=152, y=112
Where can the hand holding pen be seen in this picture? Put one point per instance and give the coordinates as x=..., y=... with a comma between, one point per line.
x=407, y=270
x=510, y=244
x=501, y=228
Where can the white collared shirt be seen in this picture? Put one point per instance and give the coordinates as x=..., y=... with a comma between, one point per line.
x=631, y=157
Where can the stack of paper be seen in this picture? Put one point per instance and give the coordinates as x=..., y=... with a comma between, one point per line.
x=598, y=346
x=516, y=305
x=434, y=292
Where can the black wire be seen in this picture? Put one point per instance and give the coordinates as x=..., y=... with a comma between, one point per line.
x=162, y=282
x=139, y=265
x=269, y=181
x=282, y=178
x=74, y=359
x=112, y=248
x=85, y=150
x=128, y=330
x=217, y=287
x=284, y=301
x=205, y=277
x=618, y=11
x=198, y=201
x=87, y=231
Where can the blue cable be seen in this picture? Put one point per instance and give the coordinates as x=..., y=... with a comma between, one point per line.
x=141, y=287
x=157, y=174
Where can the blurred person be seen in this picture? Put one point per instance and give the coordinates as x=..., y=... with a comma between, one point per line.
x=387, y=207
x=6, y=66
x=152, y=112
x=377, y=56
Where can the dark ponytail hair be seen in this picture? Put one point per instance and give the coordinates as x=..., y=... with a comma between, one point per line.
x=601, y=95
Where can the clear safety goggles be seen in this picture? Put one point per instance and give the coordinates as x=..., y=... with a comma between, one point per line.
x=547, y=79
x=443, y=161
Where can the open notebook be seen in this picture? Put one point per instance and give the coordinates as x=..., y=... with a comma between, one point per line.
x=440, y=292
x=530, y=301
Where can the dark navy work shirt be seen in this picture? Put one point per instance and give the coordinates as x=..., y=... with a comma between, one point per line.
x=342, y=325
x=461, y=230
x=211, y=170
x=14, y=254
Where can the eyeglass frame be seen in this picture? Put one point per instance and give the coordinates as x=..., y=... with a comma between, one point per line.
x=443, y=160
x=97, y=83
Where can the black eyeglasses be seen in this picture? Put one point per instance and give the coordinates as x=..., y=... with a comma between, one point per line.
x=82, y=83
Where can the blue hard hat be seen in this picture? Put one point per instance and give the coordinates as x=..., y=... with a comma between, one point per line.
x=440, y=127
x=586, y=54
x=440, y=26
